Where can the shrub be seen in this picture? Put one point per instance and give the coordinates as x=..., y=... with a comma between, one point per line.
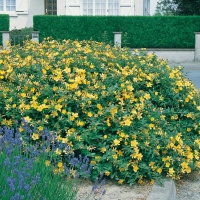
x=133, y=115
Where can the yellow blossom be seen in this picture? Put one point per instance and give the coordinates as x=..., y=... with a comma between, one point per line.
x=23, y=95
x=35, y=136
x=99, y=107
x=135, y=168
x=93, y=162
x=80, y=123
x=159, y=170
x=89, y=114
x=27, y=119
x=47, y=163
x=60, y=164
x=115, y=156
x=120, y=181
x=134, y=143
x=58, y=151
x=171, y=171
x=107, y=173
x=103, y=150
x=116, y=142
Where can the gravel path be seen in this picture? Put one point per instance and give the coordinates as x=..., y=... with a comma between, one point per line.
x=188, y=188
x=116, y=192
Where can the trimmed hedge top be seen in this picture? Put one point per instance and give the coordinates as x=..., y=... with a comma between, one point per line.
x=4, y=24
x=138, y=31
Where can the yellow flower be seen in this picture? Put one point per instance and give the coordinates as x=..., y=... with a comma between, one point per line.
x=135, y=168
x=162, y=117
x=120, y=152
x=99, y=106
x=35, y=136
x=92, y=162
x=120, y=181
x=115, y=156
x=188, y=129
x=188, y=170
x=108, y=122
x=149, y=84
x=40, y=128
x=23, y=95
x=134, y=143
x=147, y=96
x=58, y=151
x=64, y=111
x=151, y=126
x=171, y=170
x=161, y=98
x=80, y=123
x=113, y=111
x=159, y=170
x=27, y=119
x=171, y=75
x=107, y=173
x=71, y=118
x=58, y=107
x=89, y=114
x=20, y=129
x=105, y=136
x=47, y=163
x=60, y=164
x=103, y=149
x=122, y=134
x=116, y=142
x=127, y=122
x=167, y=164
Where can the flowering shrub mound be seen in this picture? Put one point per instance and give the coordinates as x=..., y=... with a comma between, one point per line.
x=133, y=115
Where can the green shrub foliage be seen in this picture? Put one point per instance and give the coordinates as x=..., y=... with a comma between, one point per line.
x=133, y=115
x=4, y=25
x=137, y=31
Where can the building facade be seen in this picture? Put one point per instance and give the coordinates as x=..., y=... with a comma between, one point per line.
x=21, y=12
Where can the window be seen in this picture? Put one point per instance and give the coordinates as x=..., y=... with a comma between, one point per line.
x=100, y=7
x=8, y=5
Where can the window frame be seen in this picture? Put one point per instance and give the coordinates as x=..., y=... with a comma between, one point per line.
x=4, y=11
x=94, y=8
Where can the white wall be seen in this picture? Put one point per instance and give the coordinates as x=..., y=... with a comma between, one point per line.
x=61, y=10
x=153, y=4
x=25, y=19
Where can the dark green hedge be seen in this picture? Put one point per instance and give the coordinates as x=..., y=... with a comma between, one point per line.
x=4, y=24
x=138, y=31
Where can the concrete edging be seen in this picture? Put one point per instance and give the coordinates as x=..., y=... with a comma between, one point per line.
x=165, y=192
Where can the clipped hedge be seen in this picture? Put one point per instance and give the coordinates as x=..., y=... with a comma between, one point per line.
x=138, y=31
x=4, y=24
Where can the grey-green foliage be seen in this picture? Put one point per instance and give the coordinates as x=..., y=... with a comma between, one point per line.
x=166, y=7
x=18, y=36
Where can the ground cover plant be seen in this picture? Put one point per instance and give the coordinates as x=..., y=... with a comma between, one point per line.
x=33, y=171
x=133, y=115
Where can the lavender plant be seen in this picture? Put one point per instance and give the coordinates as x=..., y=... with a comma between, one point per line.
x=31, y=170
